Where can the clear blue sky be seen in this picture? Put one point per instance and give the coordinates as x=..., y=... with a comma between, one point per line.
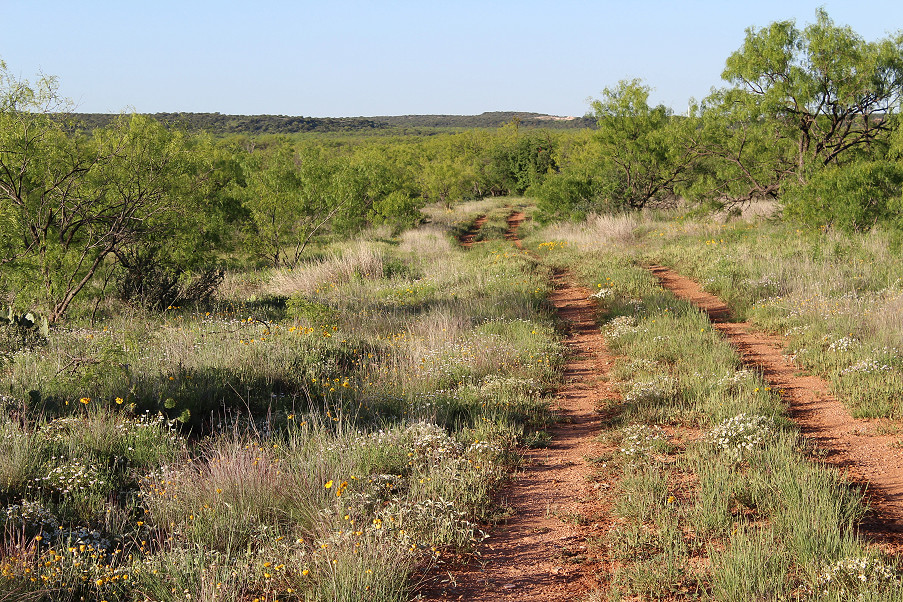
x=351, y=58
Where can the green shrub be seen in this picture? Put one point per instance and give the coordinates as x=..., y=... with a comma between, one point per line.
x=314, y=313
x=565, y=197
x=851, y=198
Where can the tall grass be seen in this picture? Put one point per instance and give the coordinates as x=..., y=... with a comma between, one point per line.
x=597, y=231
x=835, y=297
x=362, y=260
x=317, y=435
x=715, y=491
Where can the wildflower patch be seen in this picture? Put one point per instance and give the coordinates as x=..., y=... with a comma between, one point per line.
x=736, y=437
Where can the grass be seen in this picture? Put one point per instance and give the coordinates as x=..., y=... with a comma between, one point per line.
x=318, y=433
x=715, y=495
x=835, y=298
x=328, y=432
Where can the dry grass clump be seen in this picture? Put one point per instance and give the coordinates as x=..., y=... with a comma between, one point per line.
x=885, y=321
x=447, y=218
x=18, y=457
x=241, y=285
x=439, y=327
x=361, y=260
x=428, y=240
x=598, y=230
x=751, y=211
x=223, y=498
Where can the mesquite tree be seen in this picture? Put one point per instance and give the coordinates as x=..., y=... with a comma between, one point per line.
x=830, y=91
x=641, y=148
x=71, y=203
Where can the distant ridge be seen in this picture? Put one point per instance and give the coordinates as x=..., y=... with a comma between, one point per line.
x=217, y=123
x=490, y=119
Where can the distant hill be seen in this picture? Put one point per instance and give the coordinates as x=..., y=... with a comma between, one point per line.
x=217, y=123
x=491, y=119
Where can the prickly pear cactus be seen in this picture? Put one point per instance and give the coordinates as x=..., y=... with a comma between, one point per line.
x=21, y=331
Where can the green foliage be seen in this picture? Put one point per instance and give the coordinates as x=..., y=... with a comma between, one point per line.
x=566, y=196
x=298, y=194
x=828, y=89
x=444, y=172
x=850, y=198
x=397, y=209
x=20, y=331
x=518, y=161
x=278, y=197
x=639, y=156
x=640, y=146
x=313, y=313
x=69, y=204
x=739, y=157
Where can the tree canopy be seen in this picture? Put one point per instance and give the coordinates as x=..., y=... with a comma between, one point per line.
x=157, y=205
x=831, y=91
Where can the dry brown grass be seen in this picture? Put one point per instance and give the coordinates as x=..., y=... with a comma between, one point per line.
x=886, y=320
x=18, y=455
x=361, y=260
x=429, y=240
x=439, y=327
x=447, y=218
x=598, y=230
x=750, y=211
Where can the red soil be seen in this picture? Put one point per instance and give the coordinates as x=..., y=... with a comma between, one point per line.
x=541, y=551
x=853, y=446
x=468, y=239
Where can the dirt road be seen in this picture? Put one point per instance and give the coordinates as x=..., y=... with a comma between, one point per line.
x=541, y=553
x=851, y=445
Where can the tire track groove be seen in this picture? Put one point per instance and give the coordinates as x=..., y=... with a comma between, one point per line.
x=848, y=444
x=554, y=508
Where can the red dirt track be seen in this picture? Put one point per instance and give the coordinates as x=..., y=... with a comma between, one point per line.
x=540, y=552
x=850, y=445
x=468, y=239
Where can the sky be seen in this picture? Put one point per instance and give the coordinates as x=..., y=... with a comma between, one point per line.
x=354, y=58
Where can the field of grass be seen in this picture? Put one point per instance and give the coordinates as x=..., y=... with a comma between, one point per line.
x=335, y=431
x=713, y=492
x=318, y=434
x=836, y=298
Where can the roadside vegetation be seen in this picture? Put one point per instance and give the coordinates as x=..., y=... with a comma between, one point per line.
x=713, y=491
x=834, y=297
x=336, y=428
x=240, y=367
x=808, y=116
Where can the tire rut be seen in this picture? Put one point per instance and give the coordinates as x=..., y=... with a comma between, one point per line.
x=540, y=552
x=848, y=444
x=469, y=238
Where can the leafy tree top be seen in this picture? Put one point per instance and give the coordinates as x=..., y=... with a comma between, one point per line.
x=831, y=89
